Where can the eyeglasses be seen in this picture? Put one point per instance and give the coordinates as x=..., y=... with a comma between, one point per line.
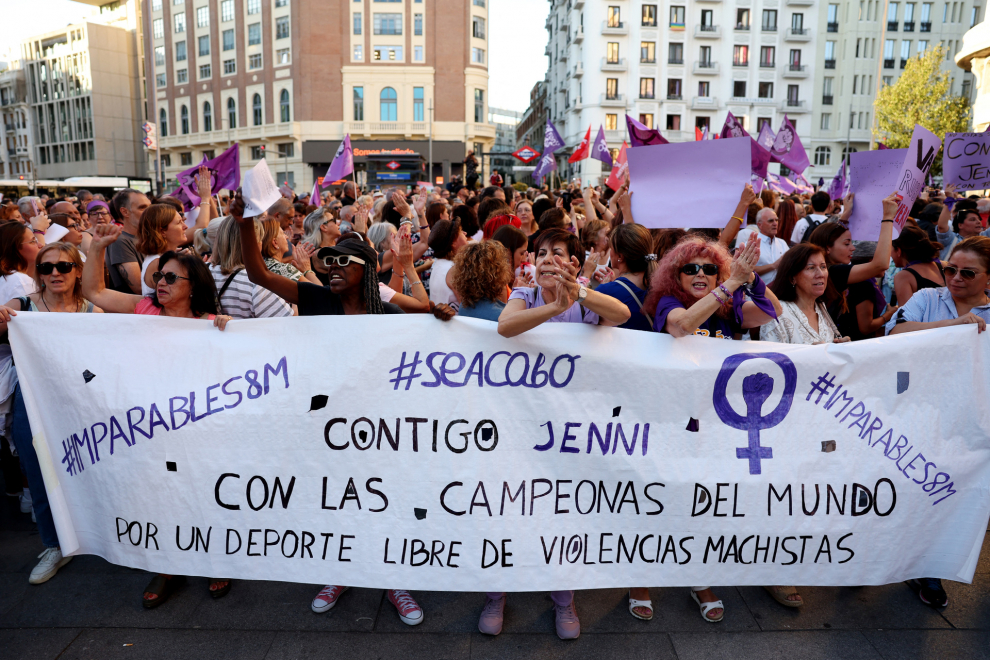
x=967, y=273
x=694, y=269
x=63, y=267
x=99, y=211
x=169, y=278
x=342, y=261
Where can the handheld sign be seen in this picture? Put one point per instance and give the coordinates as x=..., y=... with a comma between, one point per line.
x=966, y=161
x=914, y=171
x=873, y=175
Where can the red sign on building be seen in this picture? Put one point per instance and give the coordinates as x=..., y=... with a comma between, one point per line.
x=392, y=165
x=527, y=154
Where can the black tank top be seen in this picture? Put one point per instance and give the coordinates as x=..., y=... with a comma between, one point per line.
x=922, y=282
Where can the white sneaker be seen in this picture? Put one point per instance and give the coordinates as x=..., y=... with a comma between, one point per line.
x=51, y=561
x=26, y=502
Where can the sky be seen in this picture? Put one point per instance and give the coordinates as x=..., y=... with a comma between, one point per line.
x=516, y=40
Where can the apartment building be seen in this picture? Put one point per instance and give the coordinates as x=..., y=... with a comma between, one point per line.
x=974, y=57
x=16, y=128
x=288, y=80
x=678, y=66
x=505, y=122
x=865, y=47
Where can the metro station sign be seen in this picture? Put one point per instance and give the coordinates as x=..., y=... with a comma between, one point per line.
x=392, y=165
x=527, y=154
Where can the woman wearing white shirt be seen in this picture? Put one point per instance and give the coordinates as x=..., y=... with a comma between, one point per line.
x=162, y=230
x=446, y=239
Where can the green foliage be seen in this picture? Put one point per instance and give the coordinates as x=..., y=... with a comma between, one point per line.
x=920, y=96
x=520, y=186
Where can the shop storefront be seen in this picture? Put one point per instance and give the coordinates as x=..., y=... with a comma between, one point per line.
x=380, y=163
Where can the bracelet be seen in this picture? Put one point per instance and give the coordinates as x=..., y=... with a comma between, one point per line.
x=883, y=221
x=736, y=217
x=721, y=301
x=307, y=272
x=419, y=282
x=38, y=231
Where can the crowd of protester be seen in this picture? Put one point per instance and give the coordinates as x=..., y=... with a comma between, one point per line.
x=783, y=269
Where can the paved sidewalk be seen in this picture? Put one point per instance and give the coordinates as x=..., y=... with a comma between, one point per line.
x=92, y=609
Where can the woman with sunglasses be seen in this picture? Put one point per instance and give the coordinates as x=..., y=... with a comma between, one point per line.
x=162, y=229
x=320, y=230
x=966, y=223
x=698, y=290
x=962, y=301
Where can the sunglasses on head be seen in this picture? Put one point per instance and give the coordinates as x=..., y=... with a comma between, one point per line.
x=169, y=278
x=342, y=261
x=48, y=267
x=967, y=273
x=694, y=269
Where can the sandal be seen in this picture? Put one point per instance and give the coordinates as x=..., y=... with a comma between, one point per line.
x=780, y=595
x=163, y=588
x=221, y=592
x=708, y=607
x=645, y=604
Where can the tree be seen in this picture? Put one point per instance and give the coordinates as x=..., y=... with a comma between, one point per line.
x=922, y=95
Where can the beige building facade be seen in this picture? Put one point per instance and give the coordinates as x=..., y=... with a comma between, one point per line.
x=974, y=56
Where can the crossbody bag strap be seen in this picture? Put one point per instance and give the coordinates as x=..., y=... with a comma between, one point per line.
x=226, y=285
x=636, y=298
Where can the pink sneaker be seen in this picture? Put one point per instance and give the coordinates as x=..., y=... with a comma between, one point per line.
x=327, y=598
x=568, y=625
x=490, y=621
x=409, y=611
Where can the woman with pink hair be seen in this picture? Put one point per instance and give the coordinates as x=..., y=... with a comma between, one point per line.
x=698, y=290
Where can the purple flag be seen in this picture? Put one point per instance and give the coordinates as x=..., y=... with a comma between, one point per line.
x=343, y=162
x=759, y=158
x=881, y=145
x=314, y=197
x=787, y=148
x=225, y=174
x=600, y=150
x=802, y=184
x=766, y=138
x=551, y=139
x=641, y=135
x=546, y=165
x=779, y=184
x=838, y=185
x=758, y=183
x=733, y=128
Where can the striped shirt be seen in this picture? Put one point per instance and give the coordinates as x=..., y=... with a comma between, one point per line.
x=244, y=300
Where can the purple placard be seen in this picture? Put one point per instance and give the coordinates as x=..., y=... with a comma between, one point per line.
x=873, y=176
x=917, y=164
x=966, y=161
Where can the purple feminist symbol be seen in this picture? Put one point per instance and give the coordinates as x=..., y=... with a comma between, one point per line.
x=756, y=390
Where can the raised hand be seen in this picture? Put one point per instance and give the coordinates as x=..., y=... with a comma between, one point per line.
x=890, y=204
x=745, y=261
x=301, y=255
x=399, y=199
x=203, y=183
x=104, y=235
x=748, y=195
x=402, y=248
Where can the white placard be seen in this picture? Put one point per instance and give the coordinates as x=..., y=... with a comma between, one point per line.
x=873, y=176
x=259, y=190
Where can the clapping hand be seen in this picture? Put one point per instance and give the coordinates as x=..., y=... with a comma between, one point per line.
x=302, y=252
x=745, y=261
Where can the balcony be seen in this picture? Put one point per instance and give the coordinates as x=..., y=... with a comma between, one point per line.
x=903, y=63
x=794, y=106
x=620, y=29
x=769, y=28
x=621, y=65
x=579, y=70
x=829, y=64
x=617, y=101
x=563, y=56
x=799, y=3
x=707, y=32
x=705, y=69
x=704, y=103
x=891, y=26
x=833, y=27
x=578, y=36
x=578, y=4
x=768, y=65
x=741, y=27
x=797, y=34
x=675, y=60
x=909, y=26
x=795, y=71
x=740, y=64
x=246, y=133
x=925, y=27
x=827, y=100
x=674, y=97
x=888, y=64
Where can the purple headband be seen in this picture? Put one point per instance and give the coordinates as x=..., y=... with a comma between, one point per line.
x=95, y=203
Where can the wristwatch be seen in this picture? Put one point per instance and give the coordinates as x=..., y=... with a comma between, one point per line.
x=582, y=294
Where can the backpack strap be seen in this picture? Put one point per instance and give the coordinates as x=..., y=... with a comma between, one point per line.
x=226, y=284
x=636, y=298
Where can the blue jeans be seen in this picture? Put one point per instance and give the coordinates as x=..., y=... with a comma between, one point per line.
x=29, y=461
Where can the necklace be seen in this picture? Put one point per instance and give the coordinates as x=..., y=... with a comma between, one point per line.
x=45, y=301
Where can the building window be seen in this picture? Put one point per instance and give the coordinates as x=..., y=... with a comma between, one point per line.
x=163, y=123
x=769, y=20
x=417, y=104
x=256, y=109
x=612, y=52
x=286, y=150
x=254, y=62
x=204, y=45
x=229, y=67
x=284, y=108
x=646, y=88
x=477, y=27
x=231, y=113
x=184, y=120
x=157, y=28
x=477, y=54
x=227, y=10
x=160, y=80
x=740, y=56
x=765, y=90
x=649, y=15
x=159, y=55
x=202, y=17
x=254, y=34
x=792, y=96
x=257, y=153
x=182, y=76
x=477, y=3
x=826, y=121
x=704, y=89
x=742, y=19
x=281, y=3
x=282, y=27
x=207, y=117
x=359, y=104
x=739, y=89
x=180, y=51
x=357, y=23
x=614, y=17
x=646, y=119
x=611, y=122
x=922, y=46
x=209, y=154
x=388, y=53
x=185, y=158
x=675, y=53
x=479, y=106
x=418, y=54
x=673, y=122
x=253, y=6
x=768, y=56
x=418, y=25
x=180, y=22
x=823, y=155
x=905, y=50
x=205, y=71
x=388, y=105
x=358, y=53
x=677, y=17
x=795, y=59
x=611, y=88
x=830, y=49
x=703, y=122
x=282, y=56
x=156, y=5
x=648, y=52
x=388, y=23
x=674, y=89
x=228, y=40
x=166, y=160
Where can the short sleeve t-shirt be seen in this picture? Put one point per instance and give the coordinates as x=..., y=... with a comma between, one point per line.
x=489, y=310
x=315, y=300
x=245, y=300
x=637, y=320
x=714, y=326
x=574, y=314
x=122, y=251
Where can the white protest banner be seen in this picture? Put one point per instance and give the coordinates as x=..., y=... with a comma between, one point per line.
x=966, y=161
x=872, y=177
x=442, y=456
x=918, y=162
x=667, y=180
